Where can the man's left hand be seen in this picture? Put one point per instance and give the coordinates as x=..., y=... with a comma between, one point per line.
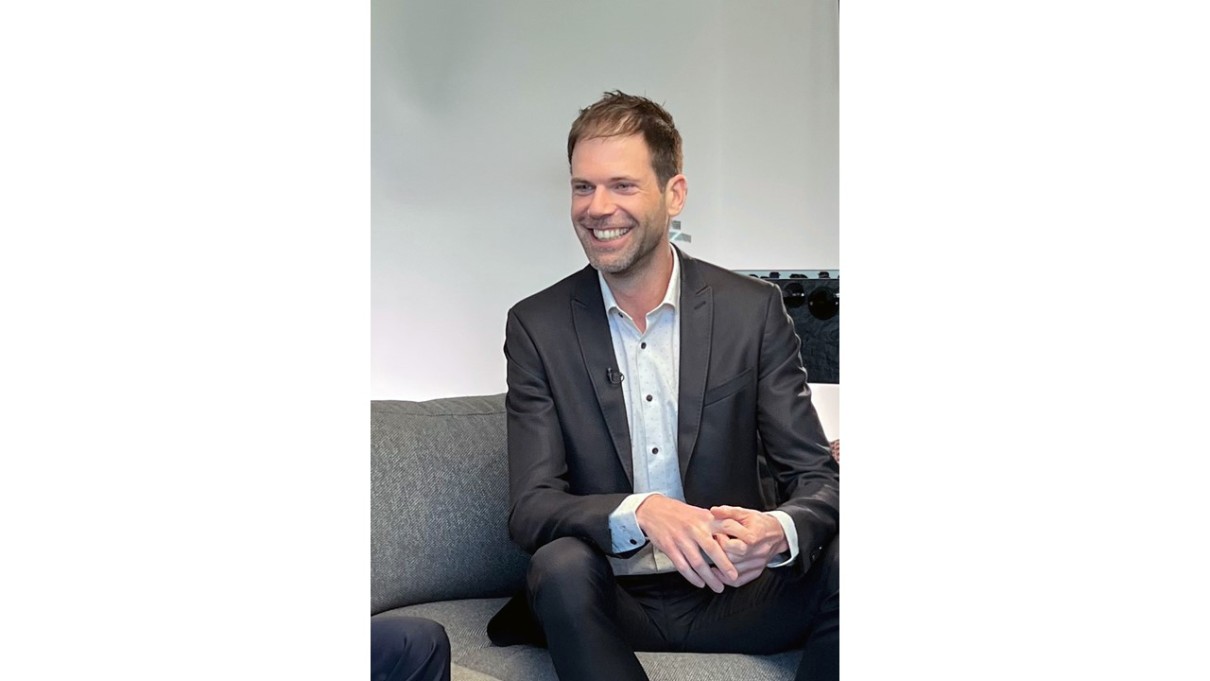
x=750, y=550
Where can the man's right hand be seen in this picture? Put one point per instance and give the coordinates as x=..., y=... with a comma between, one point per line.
x=684, y=533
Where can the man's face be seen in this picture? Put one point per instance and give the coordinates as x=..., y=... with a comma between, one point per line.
x=619, y=210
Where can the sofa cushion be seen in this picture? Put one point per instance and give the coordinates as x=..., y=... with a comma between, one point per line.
x=439, y=502
x=474, y=657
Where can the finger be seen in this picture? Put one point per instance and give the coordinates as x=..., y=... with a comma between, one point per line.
x=722, y=540
x=746, y=577
x=711, y=579
x=707, y=573
x=690, y=575
x=719, y=557
x=724, y=578
x=734, y=548
x=731, y=528
x=721, y=512
x=736, y=512
x=697, y=562
x=751, y=564
x=682, y=566
x=728, y=542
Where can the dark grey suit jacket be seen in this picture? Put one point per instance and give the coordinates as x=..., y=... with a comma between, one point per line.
x=743, y=392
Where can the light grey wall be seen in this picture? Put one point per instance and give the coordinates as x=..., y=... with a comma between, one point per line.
x=470, y=109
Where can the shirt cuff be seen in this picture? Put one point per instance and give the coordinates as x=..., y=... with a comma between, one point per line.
x=787, y=525
x=624, y=530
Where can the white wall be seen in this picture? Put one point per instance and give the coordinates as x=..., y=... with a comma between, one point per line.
x=471, y=105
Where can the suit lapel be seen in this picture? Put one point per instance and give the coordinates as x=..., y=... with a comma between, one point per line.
x=596, y=347
x=697, y=316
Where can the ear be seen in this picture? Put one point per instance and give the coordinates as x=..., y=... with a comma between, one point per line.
x=674, y=195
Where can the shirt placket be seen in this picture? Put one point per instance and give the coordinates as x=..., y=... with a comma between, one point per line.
x=654, y=408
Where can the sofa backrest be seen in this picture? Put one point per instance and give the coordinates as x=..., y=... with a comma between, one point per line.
x=439, y=502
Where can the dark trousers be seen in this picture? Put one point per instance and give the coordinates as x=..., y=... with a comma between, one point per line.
x=408, y=649
x=594, y=622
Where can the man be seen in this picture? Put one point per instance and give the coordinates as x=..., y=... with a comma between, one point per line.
x=642, y=392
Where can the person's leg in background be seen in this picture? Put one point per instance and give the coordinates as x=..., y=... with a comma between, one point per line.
x=408, y=649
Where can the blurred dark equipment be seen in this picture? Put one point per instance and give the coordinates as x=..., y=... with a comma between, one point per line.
x=812, y=298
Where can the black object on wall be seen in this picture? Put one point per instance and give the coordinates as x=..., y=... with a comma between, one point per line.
x=812, y=298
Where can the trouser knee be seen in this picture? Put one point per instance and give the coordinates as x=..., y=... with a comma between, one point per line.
x=403, y=645
x=431, y=637
x=566, y=575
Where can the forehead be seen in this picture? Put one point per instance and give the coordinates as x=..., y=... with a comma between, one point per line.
x=611, y=156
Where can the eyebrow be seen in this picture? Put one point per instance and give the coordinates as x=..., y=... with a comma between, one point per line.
x=619, y=178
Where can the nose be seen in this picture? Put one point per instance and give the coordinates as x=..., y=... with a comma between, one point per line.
x=600, y=206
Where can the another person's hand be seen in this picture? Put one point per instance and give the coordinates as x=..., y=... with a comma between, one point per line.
x=750, y=548
x=685, y=533
x=836, y=450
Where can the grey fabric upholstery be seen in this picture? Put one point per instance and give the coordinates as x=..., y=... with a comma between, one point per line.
x=439, y=502
x=440, y=546
x=466, y=621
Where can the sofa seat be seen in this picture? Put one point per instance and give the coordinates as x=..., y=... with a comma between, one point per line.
x=476, y=659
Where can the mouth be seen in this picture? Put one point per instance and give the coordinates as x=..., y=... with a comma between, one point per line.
x=610, y=234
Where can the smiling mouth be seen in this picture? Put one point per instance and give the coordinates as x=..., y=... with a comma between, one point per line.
x=610, y=234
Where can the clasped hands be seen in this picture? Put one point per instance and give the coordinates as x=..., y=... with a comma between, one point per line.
x=739, y=541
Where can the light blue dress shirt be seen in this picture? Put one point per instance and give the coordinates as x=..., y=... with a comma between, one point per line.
x=650, y=365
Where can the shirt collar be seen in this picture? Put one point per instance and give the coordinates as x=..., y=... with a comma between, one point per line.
x=672, y=296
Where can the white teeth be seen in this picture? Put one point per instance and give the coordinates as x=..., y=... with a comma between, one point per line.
x=609, y=234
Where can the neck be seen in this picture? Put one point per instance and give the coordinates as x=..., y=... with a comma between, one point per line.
x=639, y=291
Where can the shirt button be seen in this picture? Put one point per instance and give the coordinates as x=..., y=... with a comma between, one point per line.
x=643, y=346
x=632, y=541
x=649, y=398
x=655, y=450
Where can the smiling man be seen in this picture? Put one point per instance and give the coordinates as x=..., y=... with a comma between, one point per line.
x=642, y=392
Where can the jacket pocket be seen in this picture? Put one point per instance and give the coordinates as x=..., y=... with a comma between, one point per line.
x=726, y=388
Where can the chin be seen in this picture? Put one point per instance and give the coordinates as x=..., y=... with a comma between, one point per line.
x=604, y=266
x=610, y=265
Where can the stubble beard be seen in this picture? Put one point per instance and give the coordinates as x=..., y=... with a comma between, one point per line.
x=618, y=263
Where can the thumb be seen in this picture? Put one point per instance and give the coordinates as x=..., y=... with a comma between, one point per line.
x=722, y=512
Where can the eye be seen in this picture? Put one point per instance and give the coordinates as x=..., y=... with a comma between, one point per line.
x=624, y=186
x=581, y=188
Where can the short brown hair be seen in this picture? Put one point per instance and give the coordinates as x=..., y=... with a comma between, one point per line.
x=618, y=113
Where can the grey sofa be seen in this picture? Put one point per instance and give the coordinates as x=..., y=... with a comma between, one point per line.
x=440, y=546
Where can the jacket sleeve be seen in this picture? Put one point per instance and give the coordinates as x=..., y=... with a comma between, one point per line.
x=797, y=451
x=541, y=507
